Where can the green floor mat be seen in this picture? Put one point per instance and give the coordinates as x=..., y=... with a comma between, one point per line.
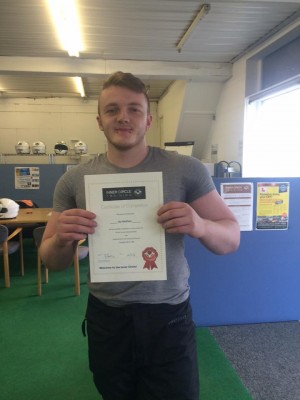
x=44, y=354
x=218, y=379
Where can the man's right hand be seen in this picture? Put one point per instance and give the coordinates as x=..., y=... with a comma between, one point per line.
x=62, y=232
x=71, y=225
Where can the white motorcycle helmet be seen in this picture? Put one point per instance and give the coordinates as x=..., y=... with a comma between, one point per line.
x=8, y=208
x=80, y=147
x=38, y=148
x=61, y=148
x=22, y=147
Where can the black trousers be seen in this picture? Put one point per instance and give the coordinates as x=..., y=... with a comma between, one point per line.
x=143, y=351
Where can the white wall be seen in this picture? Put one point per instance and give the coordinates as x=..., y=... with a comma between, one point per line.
x=56, y=119
x=186, y=112
x=198, y=113
x=210, y=113
x=169, y=111
x=228, y=127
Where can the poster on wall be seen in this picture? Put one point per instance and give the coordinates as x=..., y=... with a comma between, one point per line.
x=272, y=205
x=239, y=198
x=27, y=178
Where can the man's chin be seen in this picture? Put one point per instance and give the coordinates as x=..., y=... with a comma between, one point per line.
x=126, y=145
x=123, y=146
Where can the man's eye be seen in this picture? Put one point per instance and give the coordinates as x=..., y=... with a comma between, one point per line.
x=134, y=109
x=111, y=110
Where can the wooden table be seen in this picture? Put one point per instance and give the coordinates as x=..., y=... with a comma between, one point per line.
x=35, y=216
x=26, y=216
x=29, y=216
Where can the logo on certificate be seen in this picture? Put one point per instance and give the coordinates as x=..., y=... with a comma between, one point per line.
x=124, y=193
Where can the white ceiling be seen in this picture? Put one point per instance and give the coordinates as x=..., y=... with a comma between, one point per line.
x=139, y=36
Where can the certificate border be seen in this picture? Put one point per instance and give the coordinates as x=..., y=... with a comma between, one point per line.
x=95, y=183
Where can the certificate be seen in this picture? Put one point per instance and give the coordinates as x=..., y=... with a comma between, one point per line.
x=129, y=243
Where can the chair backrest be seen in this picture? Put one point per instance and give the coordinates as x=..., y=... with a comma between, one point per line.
x=83, y=252
x=3, y=233
x=38, y=235
x=38, y=232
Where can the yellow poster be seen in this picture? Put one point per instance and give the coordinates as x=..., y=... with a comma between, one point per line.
x=272, y=205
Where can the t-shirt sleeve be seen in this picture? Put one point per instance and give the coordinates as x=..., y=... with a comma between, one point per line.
x=63, y=198
x=198, y=180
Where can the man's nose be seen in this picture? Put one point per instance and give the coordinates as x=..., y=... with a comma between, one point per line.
x=123, y=115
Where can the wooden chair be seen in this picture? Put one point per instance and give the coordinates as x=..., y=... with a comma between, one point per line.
x=28, y=227
x=9, y=246
x=80, y=253
x=37, y=237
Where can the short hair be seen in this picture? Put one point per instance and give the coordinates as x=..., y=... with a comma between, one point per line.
x=129, y=81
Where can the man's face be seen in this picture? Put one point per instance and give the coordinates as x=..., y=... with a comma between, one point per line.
x=124, y=117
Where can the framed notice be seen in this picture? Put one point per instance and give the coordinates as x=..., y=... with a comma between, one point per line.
x=239, y=198
x=272, y=205
x=27, y=177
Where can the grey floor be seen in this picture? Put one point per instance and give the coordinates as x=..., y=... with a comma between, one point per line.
x=266, y=357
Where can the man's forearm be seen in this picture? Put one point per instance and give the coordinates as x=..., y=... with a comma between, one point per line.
x=57, y=258
x=221, y=237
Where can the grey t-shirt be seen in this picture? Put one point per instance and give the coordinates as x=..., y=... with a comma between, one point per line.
x=184, y=179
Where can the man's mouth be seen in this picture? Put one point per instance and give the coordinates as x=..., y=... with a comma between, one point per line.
x=123, y=130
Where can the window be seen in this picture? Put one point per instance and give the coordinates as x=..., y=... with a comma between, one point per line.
x=271, y=145
x=272, y=135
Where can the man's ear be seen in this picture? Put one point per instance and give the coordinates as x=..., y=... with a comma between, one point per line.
x=99, y=122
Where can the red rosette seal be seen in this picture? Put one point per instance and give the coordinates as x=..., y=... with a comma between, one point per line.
x=150, y=255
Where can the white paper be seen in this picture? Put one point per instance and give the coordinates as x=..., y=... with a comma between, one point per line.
x=239, y=198
x=129, y=243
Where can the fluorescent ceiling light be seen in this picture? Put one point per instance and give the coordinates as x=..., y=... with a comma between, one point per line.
x=204, y=10
x=65, y=19
x=79, y=86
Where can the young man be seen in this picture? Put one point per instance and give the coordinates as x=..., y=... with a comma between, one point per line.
x=141, y=334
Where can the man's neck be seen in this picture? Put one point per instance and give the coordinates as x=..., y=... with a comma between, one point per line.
x=127, y=158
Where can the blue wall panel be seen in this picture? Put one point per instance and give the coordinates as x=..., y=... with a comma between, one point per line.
x=258, y=283
x=49, y=175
